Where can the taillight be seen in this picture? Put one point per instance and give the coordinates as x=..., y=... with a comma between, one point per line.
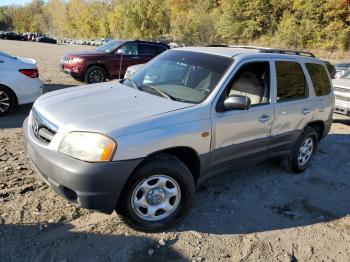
x=32, y=73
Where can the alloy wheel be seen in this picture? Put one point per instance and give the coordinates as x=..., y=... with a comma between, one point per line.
x=4, y=102
x=305, y=151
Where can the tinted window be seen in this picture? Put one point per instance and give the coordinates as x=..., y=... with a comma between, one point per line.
x=145, y=49
x=252, y=80
x=161, y=49
x=129, y=49
x=319, y=79
x=291, y=82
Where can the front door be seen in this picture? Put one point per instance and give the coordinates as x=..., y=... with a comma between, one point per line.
x=242, y=135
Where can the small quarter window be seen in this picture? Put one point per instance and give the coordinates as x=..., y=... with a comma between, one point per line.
x=319, y=79
x=291, y=82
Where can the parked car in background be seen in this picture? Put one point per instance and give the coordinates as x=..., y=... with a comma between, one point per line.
x=19, y=82
x=131, y=70
x=141, y=145
x=46, y=39
x=12, y=36
x=341, y=69
x=110, y=60
x=342, y=94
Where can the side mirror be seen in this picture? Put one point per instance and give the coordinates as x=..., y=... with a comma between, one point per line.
x=120, y=52
x=237, y=102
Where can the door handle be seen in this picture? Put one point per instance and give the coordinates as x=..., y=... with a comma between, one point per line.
x=264, y=118
x=305, y=111
x=135, y=57
x=1, y=61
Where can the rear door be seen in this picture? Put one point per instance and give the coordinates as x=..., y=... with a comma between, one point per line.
x=294, y=103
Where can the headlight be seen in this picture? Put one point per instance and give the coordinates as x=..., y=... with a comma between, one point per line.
x=90, y=147
x=76, y=60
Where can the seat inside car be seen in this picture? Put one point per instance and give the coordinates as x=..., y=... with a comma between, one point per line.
x=252, y=81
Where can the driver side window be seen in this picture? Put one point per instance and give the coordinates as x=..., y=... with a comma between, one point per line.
x=252, y=80
x=129, y=49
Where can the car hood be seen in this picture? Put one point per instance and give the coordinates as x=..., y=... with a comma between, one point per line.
x=342, y=83
x=101, y=107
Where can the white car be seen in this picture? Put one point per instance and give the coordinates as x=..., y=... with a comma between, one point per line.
x=19, y=82
x=342, y=94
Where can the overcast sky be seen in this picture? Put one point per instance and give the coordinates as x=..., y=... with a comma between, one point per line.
x=14, y=2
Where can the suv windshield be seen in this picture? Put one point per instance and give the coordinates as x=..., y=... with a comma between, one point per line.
x=181, y=75
x=108, y=46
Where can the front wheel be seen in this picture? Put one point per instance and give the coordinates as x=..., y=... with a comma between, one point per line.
x=95, y=74
x=158, y=195
x=304, y=150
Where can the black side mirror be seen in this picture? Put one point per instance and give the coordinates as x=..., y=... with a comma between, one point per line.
x=237, y=102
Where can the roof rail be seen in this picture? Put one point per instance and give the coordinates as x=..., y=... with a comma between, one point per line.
x=278, y=51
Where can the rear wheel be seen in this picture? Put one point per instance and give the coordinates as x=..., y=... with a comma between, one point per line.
x=158, y=195
x=95, y=74
x=303, y=151
x=7, y=101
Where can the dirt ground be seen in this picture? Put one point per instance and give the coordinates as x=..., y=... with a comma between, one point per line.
x=261, y=213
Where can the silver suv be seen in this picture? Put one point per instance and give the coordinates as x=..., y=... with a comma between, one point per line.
x=141, y=145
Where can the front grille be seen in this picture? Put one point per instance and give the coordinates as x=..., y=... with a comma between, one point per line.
x=43, y=129
x=66, y=60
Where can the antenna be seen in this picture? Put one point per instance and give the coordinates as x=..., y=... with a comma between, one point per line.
x=120, y=61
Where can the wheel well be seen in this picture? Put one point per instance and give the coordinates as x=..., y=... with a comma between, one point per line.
x=99, y=65
x=188, y=156
x=319, y=127
x=12, y=92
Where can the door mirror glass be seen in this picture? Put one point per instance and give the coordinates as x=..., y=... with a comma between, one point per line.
x=237, y=102
x=120, y=51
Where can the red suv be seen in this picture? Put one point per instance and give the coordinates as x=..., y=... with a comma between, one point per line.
x=110, y=60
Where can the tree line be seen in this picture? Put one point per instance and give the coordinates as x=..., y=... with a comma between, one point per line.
x=306, y=24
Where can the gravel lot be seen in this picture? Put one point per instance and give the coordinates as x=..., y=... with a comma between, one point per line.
x=261, y=213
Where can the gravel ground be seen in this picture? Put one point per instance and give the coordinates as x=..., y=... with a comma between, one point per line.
x=261, y=213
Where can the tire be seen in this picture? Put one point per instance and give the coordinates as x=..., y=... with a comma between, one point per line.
x=95, y=74
x=302, y=150
x=7, y=101
x=155, y=170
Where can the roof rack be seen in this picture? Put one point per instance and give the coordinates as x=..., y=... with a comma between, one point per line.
x=278, y=51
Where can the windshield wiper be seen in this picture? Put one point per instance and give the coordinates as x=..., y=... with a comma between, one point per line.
x=162, y=93
x=132, y=82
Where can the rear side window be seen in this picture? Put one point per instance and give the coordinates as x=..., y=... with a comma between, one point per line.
x=161, y=49
x=145, y=49
x=291, y=83
x=319, y=79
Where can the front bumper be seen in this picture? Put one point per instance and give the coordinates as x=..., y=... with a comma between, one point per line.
x=95, y=186
x=69, y=70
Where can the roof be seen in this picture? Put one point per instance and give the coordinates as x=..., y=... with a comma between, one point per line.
x=223, y=51
x=240, y=50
